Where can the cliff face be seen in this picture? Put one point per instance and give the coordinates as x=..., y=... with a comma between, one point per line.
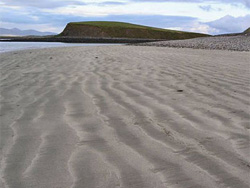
x=85, y=30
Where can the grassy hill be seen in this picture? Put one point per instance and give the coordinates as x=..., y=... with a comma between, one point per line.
x=123, y=30
x=247, y=31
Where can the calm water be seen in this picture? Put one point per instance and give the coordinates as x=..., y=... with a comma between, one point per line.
x=13, y=46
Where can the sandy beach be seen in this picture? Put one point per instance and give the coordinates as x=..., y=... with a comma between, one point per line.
x=125, y=116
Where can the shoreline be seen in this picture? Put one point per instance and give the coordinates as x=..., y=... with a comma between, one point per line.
x=20, y=46
x=75, y=40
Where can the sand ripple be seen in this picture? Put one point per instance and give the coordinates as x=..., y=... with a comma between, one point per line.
x=124, y=116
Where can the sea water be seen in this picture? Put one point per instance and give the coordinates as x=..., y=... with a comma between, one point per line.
x=14, y=46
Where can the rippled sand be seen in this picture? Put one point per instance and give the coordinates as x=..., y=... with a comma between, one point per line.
x=131, y=117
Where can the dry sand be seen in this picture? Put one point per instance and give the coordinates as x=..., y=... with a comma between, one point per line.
x=131, y=117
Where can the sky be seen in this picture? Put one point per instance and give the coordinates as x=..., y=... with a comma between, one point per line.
x=205, y=16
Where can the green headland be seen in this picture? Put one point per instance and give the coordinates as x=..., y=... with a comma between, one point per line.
x=105, y=29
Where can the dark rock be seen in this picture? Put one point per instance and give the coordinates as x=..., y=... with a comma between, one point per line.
x=180, y=90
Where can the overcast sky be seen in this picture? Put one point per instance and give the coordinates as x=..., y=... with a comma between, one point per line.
x=206, y=16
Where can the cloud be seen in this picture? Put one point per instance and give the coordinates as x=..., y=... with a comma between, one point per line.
x=36, y=16
x=149, y=8
x=200, y=27
x=246, y=3
x=33, y=16
x=50, y=4
x=209, y=8
x=107, y=3
x=63, y=3
x=230, y=24
x=195, y=26
x=29, y=16
x=224, y=25
x=43, y=4
x=164, y=14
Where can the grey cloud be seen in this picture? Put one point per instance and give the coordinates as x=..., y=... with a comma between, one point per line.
x=206, y=8
x=209, y=8
x=61, y=3
x=111, y=3
x=56, y=3
x=246, y=3
x=43, y=3
x=230, y=24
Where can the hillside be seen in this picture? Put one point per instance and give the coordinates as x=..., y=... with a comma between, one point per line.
x=247, y=31
x=123, y=30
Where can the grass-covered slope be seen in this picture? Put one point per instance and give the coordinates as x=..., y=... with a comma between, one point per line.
x=247, y=31
x=123, y=30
